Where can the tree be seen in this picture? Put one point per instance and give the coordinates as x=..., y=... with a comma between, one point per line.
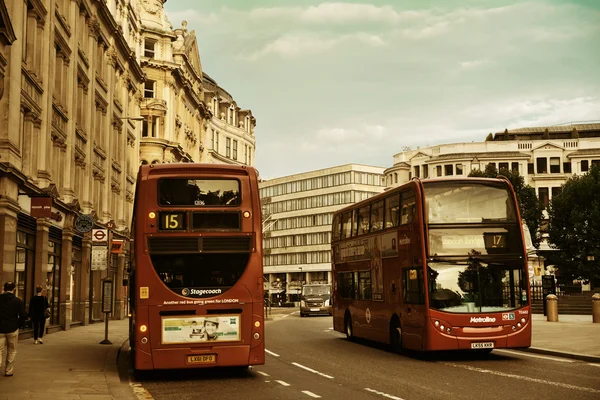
x=489, y=137
x=530, y=206
x=575, y=226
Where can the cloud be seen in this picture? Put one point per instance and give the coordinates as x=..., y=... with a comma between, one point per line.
x=304, y=44
x=473, y=64
x=193, y=17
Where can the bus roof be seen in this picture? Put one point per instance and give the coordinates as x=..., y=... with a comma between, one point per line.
x=413, y=182
x=177, y=168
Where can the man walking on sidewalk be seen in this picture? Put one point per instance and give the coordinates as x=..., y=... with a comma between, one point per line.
x=12, y=317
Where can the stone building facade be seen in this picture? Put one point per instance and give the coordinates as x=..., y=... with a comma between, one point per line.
x=89, y=90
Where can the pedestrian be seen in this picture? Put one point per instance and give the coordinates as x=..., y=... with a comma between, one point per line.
x=38, y=312
x=12, y=317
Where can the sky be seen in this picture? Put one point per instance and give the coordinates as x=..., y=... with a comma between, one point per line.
x=333, y=83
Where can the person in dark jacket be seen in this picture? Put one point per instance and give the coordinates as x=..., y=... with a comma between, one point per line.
x=37, y=312
x=12, y=317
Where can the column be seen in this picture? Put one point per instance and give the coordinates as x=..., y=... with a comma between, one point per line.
x=9, y=209
x=83, y=285
x=66, y=276
x=118, y=284
x=41, y=252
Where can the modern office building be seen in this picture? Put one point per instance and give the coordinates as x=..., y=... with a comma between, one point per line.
x=545, y=156
x=297, y=215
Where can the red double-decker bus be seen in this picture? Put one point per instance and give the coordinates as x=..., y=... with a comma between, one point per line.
x=438, y=264
x=197, y=273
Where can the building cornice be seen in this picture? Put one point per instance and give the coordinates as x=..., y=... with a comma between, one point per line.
x=7, y=33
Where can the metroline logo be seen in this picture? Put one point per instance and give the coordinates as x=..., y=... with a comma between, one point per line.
x=482, y=319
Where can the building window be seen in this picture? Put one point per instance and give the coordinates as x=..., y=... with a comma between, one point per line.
x=425, y=171
x=448, y=169
x=438, y=170
x=530, y=170
x=149, y=89
x=595, y=162
x=246, y=153
x=543, y=196
x=555, y=165
x=217, y=143
x=212, y=141
x=145, y=128
x=459, y=169
x=228, y=147
x=514, y=167
x=502, y=165
x=555, y=191
x=585, y=165
x=542, y=165
x=567, y=168
x=235, y=149
x=417, y=173
x=149, y=48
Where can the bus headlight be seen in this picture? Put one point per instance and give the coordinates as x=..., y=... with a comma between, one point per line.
x=143, y=328
x=327, y=303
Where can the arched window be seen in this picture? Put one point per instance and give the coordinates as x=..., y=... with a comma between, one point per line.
x=144, y=162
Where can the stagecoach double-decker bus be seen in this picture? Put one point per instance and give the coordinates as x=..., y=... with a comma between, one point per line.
x=438, y=264
x=197, y=273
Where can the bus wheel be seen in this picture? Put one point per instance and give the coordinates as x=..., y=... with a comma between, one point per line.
x=348, y=327
x=395, y=336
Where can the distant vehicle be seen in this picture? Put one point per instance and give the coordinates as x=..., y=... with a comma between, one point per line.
x=315, y=299
x=196, y=278
x=438, y=264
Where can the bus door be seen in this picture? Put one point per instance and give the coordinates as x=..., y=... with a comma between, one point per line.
x=413, y=309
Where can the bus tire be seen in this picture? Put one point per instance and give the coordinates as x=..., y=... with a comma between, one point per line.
x=348, y=326
x=395, y=335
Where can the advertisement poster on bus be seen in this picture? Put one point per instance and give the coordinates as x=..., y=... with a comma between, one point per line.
x=198, y=329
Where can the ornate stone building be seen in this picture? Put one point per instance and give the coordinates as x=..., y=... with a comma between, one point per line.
x=68, y=147
x=89, y=89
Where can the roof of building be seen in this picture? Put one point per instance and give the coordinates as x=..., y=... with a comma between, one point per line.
x=482, y=155
x=554, y=129
x=584, y=152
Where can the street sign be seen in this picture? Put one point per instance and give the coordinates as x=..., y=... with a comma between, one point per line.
x=99, y=235
x=41, y=207
x=116, y=246
x=84, y=223
x=110, y=224
x=99, y=258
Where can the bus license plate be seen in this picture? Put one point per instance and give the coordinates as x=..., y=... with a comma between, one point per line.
x=482, y=345
x=202, y=359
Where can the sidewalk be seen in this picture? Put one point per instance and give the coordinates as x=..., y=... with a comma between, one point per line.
x=70, y=365
x=573, y=336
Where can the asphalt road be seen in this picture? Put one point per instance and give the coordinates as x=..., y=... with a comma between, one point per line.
x=307, y=359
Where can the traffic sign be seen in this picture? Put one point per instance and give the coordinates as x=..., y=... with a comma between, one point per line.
x=99, y=258
x=99, y=235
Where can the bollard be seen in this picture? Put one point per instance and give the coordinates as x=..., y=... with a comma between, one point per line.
x=596, y=308
x=552, y=308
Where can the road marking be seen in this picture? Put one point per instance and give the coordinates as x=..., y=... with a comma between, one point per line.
x=594, y=365
x=283, y=383
x=263, y=373
x=312, y=370
x=311, y=394
x=522, y=353
x=389, y=396
x=271, y=353
x=524, y=378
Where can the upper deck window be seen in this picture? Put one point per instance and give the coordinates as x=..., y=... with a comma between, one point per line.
x=199, y=192
x=462, y=203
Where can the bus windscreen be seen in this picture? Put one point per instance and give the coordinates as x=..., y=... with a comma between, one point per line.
x=198, y=192
x=464, y=203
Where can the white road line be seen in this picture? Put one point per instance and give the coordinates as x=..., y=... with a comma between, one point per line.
x=389, y=396
x=312, y=370
x=522, y=353
x=594, y=365
x=524, y=378
x=263, y=373
x=271, y=353
x=283, y=383
x=311, y=394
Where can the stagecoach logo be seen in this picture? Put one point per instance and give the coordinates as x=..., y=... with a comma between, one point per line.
x=368, y=316
x=508, y=316
x=201, y=292
x=482, y=319
x=185, y=291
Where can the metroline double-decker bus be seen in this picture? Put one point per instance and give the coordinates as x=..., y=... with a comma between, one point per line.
x=197, y=272
x=438, y=264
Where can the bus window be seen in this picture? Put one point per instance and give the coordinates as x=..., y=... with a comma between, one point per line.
x=346, y=285
x=198, y=192
x=414, y=292
x=392, y=206
x=335, y=232
x=347, y=224
x=377, y=216
x=408, y=208
x=364, y=285
x=362, y=223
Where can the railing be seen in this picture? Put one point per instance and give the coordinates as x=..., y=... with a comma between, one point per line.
x=537, y=292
